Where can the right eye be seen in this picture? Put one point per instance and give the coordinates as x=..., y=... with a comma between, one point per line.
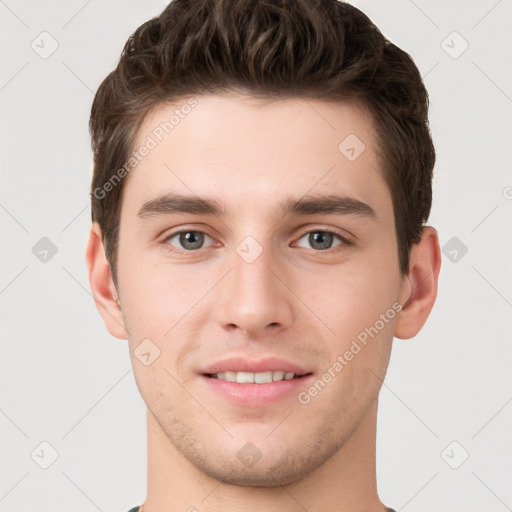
x=188, y=240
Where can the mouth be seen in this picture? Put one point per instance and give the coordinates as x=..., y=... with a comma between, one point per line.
x=264, y=377
x=248, y=383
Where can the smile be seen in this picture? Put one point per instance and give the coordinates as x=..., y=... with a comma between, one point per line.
x=255, y=378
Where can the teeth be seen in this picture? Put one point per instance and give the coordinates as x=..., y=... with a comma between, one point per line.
x=262, y=378
x=244, y=377
x=278, y=375
x=258, y=378
x=231, y=376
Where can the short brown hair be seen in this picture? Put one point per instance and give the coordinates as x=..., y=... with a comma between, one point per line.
x=321, y=49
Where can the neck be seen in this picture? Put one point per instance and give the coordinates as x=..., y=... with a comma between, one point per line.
x=346, y=482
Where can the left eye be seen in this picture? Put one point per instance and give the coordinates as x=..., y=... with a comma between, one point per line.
x=189, y=240
x=194, y=240
x=321, y=240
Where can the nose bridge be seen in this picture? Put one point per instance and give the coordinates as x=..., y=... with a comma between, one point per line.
x=250, y=272
x=253, y=297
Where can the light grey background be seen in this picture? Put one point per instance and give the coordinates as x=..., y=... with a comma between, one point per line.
x=66, y=382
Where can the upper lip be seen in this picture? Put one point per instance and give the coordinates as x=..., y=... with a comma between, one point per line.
x=242, y=364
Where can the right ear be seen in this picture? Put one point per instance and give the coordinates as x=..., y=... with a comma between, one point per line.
x=102, y=285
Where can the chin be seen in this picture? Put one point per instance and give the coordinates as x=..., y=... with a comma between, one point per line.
x=272, y=468
x=263, y=476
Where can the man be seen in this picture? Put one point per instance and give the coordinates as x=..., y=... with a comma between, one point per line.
x=262, y=179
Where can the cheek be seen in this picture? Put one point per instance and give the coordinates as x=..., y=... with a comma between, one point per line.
x=360, y=308
x=164, y=313
x=154, y=292
x=349, y=298
x=160, y=392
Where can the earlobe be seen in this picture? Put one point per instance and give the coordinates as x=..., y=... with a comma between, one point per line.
x=102, y=285
x=419, y=287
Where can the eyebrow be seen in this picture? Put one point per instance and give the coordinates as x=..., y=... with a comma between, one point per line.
x=308, y=205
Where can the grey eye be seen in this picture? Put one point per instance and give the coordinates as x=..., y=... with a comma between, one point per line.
x=189, y=240
x=320, y=240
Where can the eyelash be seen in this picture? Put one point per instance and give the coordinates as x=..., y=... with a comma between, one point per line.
x=344, y=241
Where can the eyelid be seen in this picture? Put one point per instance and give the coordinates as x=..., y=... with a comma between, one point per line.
x=345, y=240
x=183, y=229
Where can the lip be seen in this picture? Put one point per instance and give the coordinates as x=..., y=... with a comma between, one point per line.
x=242, y=364
x=255, y=395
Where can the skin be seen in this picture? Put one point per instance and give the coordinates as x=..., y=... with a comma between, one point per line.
x=294, y=301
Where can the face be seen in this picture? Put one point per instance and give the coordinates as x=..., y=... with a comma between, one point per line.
x=229, y=261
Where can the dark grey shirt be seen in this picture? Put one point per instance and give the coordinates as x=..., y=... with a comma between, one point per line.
x=136, y=509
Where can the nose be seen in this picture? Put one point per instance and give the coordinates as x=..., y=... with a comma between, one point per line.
x=252, y=297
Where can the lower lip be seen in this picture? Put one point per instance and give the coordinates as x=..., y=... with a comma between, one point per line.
x=253, y=395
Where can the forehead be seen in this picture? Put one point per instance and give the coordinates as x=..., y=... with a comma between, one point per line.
x=247, y=150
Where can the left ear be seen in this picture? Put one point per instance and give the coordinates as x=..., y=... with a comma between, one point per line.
x=419, y=286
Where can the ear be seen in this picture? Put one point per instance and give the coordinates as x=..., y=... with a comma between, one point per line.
x=102, y=285
x=419, y=286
